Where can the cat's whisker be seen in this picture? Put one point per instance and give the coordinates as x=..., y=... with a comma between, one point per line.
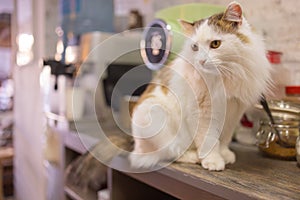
x=234, y=56
x=225, y=70
x=240, y=71
x=237, y=72
x=222, y=69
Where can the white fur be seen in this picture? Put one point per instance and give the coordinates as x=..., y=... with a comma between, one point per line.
x=186, y=113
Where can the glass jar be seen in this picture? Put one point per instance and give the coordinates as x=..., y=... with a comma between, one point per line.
x=269, y=143
x=279, y=75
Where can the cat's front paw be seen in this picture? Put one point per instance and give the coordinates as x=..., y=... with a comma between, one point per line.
x=213, y=162
x=228, y=156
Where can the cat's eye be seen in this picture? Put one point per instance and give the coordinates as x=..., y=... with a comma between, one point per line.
x=195, y=47
x=215, y=44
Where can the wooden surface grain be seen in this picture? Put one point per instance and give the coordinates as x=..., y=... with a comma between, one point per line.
x=255, y=176
x=251, y=177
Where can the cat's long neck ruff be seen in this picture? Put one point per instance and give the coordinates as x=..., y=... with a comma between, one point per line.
x=233, y=50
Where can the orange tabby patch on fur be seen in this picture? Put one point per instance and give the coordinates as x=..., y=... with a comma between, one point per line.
x=226, y=26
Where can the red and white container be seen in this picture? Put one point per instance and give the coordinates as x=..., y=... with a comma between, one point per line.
x=279, y=75
x=292, y=88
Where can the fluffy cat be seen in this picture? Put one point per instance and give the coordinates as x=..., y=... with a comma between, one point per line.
x=189, y=111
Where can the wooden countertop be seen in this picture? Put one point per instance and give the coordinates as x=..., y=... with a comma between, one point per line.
x=251, y=177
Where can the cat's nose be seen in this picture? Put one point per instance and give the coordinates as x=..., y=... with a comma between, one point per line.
x=202, y=62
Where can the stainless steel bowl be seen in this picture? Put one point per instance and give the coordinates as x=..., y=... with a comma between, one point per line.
x=283, y=109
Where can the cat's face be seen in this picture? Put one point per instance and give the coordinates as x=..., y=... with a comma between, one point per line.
x=217, y=43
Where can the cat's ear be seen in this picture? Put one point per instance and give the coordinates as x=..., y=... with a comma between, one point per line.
x=187, y=27
x=233, y=12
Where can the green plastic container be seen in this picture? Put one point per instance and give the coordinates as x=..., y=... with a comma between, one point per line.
x=175, y=37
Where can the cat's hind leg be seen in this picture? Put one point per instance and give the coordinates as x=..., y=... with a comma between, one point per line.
x=152, y=132
x=227, y=154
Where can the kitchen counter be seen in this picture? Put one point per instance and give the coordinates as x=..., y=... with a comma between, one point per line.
x=251, y=177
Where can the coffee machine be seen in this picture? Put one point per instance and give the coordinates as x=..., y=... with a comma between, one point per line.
x=55, y=78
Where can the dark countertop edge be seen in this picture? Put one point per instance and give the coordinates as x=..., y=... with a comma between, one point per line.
x=187, y=179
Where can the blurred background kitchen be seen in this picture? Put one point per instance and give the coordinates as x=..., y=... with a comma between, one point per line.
x=43, y=43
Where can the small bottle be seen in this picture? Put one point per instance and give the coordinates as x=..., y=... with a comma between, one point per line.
x=292, y=88
x=292, y=94
x=278, y=75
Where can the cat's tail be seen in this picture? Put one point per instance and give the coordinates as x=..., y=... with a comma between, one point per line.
x=91, y=167
x=106, y=149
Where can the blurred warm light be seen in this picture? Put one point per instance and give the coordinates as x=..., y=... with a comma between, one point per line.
x=60, y=47
x=24, y=58
x=71, y=54
x=45, y=77
x=25, y=42
x=57, y=57
x=24, y=54
x=59, y=50
x=45, y=83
